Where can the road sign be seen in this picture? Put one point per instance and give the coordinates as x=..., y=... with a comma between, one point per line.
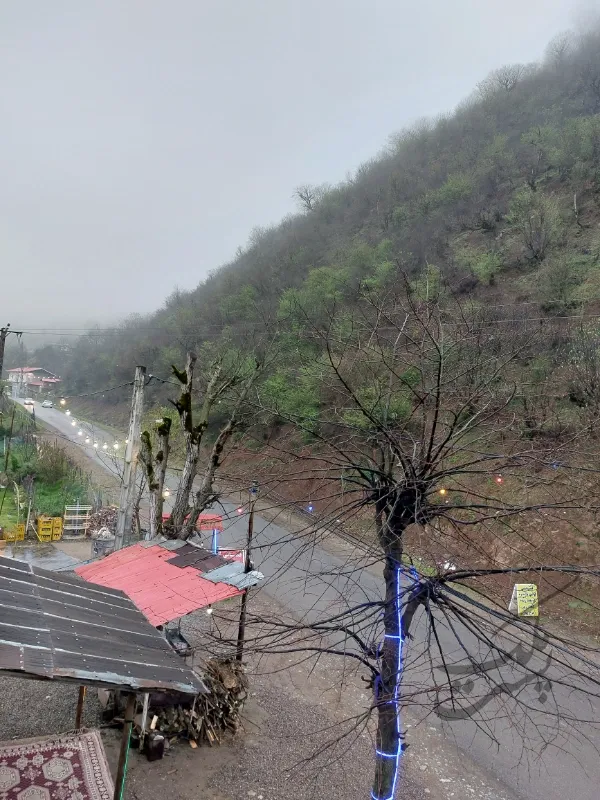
x=524, y=600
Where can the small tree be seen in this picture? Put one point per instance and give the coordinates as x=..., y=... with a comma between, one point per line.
x=536, y=218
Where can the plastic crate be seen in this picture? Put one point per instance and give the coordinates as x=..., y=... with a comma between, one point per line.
x=44, y=537
x=44, y=525
x=20, y=532
x=10, y=536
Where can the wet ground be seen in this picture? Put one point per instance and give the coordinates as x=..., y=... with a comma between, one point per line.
x=43, y=556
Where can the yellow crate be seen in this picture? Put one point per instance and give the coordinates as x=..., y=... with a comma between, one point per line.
x=57, y=524
x=10, y=536
x=44, y=537
x=20, y=532
x=56, y=535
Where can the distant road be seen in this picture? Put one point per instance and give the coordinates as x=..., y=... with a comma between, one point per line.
x=312, y=583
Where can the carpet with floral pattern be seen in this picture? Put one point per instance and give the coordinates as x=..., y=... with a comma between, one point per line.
x=66, y=767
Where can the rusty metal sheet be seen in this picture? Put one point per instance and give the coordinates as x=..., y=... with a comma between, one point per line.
x=202, y=560
x=72, y=631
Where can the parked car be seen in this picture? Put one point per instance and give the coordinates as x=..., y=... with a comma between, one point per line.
x=28, y=401
x=47, y=404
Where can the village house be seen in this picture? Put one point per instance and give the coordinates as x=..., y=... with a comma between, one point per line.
x=35, y=379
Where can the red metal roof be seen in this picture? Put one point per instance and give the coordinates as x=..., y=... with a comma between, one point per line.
x=162, y=591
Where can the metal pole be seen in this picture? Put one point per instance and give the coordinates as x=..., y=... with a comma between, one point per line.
x=144, y=720
x=79, y=713
x=127, y=496
x=127, y=725
x=247, y=564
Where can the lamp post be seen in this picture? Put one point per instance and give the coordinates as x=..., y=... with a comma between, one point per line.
x=253, y=497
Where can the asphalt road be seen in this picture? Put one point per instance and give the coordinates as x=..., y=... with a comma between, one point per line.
x=546, y=749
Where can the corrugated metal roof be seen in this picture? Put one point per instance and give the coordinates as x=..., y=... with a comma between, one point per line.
x=247, y=580
x=162, y=584
x=225, y=573
x=54, y=626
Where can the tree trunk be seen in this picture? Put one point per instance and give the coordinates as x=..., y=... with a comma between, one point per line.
x=400, y=606
x=156, y=468
x=193, y=436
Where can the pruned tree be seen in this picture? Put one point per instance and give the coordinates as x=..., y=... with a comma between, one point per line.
x=419, y=421
x=155, y=465
x=230, y=377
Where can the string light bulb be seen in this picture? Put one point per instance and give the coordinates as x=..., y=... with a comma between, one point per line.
x=310, y=508
x=443, y=492
x=499, y=479
x=74, y=423
x=63, y=402
x=240, y=510
x=80, y=433
x=105, y=446
x=209, y=610
x=87, y=439
x=68, y=413
x=126, y=441
x=167, y=492
x=116, y=445
x=95, y=444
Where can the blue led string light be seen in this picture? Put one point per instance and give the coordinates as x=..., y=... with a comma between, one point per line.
x=399, y=638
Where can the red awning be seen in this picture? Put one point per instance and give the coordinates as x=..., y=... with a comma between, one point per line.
x=162, y=590
x=206, y=522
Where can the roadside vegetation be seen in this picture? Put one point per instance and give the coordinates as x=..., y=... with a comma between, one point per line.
x=35, y=469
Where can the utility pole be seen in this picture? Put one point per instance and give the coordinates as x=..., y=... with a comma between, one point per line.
x=4, y=332
x=247, y=567
x=127, y=496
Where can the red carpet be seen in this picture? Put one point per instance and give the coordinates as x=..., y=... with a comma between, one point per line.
x=68, y=767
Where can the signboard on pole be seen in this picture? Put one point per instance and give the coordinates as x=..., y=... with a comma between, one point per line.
x=524, y=600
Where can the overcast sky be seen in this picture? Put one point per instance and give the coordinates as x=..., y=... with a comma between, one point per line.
x=142, y=140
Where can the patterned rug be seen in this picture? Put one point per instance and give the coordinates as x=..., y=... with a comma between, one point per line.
x=67, y=767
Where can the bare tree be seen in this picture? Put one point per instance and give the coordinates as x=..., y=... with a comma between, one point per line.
x=559, y=49
x=504, y=79
x=419, y=421
x=309, y=196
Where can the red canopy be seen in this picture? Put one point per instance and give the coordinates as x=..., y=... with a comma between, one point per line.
x=206, y=522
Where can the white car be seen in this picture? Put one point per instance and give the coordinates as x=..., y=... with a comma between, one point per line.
x=47, y=404
x=28, y=401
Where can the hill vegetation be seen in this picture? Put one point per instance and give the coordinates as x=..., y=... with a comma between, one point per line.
x=502, y=196
x=499, y=201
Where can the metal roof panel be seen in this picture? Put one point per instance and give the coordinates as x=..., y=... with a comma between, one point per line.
x=72, y=631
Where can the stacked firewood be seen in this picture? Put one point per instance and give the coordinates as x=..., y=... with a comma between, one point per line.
x=214, y=714
x=103, y=518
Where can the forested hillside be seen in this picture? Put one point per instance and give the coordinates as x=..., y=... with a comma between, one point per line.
x=501, y=199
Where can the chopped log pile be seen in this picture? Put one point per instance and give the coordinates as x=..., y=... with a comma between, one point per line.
x=104, y=518
x=211, y=715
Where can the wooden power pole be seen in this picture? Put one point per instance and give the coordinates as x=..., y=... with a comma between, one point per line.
x=247, y=567
x=3, y=335
x=127, y=496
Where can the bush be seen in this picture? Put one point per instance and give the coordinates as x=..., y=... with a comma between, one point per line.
x=536, y=218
